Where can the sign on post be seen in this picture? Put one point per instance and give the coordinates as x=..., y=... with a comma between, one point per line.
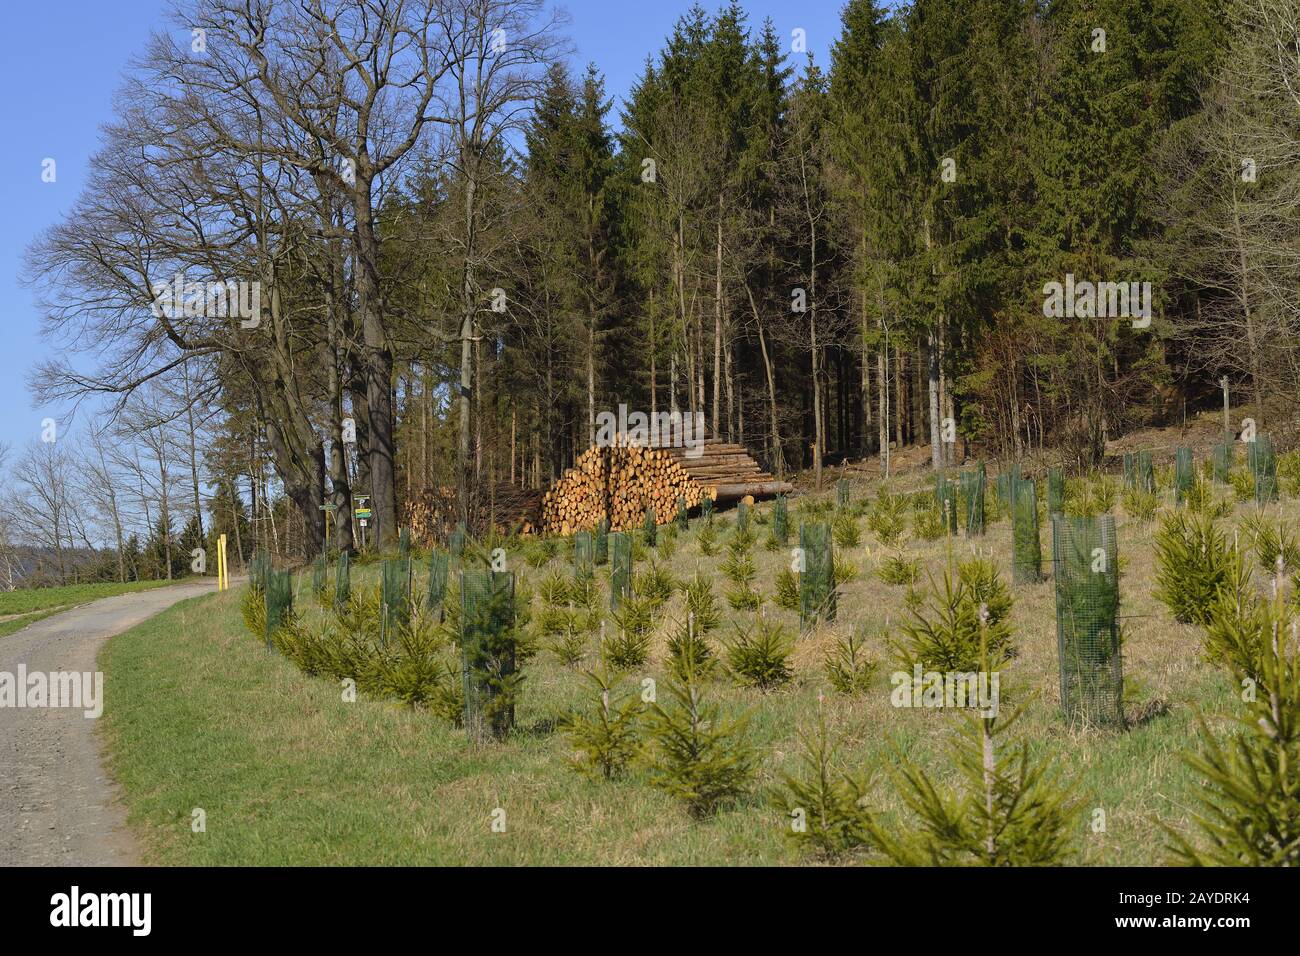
x=361, y=511
x=329, y=507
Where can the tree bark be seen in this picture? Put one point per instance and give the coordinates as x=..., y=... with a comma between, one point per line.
x=777, y=453
x=378, y=365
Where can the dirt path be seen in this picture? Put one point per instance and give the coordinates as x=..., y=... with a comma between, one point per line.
x=58, y=806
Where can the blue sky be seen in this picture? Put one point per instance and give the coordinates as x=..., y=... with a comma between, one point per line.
x=60, y=76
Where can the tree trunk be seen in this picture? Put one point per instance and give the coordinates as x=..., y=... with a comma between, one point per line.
x=463, y=460
x=936, y=433
x=777, y=454
x=194, y=450
x=234, y=519
x=717, y=329
x=1247, y=313
x=164, y=521
x=591, y=380
x=882, y=417
x=900, y=397
x=113, y=509
x=654, y=384
x=378, y=365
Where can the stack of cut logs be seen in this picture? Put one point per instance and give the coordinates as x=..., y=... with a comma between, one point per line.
x=621, y=481
x=729, y=470
x=434, y=512
x=618, y=483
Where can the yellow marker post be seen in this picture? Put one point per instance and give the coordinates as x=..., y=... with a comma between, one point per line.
x=223, y=577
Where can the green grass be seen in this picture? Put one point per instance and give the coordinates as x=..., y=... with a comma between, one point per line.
x=25, y=600
x=200, y=715
x=16, y=624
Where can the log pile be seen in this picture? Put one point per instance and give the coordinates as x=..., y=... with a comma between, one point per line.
x=435, y=512
x=621, y=481
x=618, y=483
x=729, y=470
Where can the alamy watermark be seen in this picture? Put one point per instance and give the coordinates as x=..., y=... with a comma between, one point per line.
x=133, y=911
x=57, y=689
x=1098, y=300
x=211, y=300
x=662, y=429
x=966, y=689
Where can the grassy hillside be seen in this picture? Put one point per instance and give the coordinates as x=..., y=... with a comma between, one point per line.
x=201, y=715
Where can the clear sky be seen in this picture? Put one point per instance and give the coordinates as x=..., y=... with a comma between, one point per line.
x=65, y=59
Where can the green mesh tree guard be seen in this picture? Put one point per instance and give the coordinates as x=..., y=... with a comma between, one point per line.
x=342, y=582
x=404, y=542
x=706, y=509
x=259, y=566
x=781, y=521
x=602, y=541
x=395, y=594
x=488, y=652
x=650, y=527
x=1130, y=470
x=683, y=513
x=279, y=601
x=584, y=554
x=319, y=574
x=1027, y=551
x=620, y=571
x=1055, y=491
x=842, y=493
x=972, y=492
x=439, y=565
x=817, y=580
x=1264, y=468
x=1146, y=474
x=1184, y=474
x=456, y=543
x=946, y=498
x=742, y=517
x=1223, y=458
x=1006, y=485
x=1085, y=563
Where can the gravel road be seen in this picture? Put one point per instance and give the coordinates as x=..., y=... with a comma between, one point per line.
x=58, y=806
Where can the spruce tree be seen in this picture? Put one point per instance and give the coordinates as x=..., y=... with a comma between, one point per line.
x=848, y=668
x=488, y=643
x=759, y=655
x=697, y=755
x=825, y=805
x=690, y=656
x=342, y=582
x=1008, y=811
x=1248, y=806
x=947, y=633
x=605, y=740
x=319, y=570
x=1192, y=557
